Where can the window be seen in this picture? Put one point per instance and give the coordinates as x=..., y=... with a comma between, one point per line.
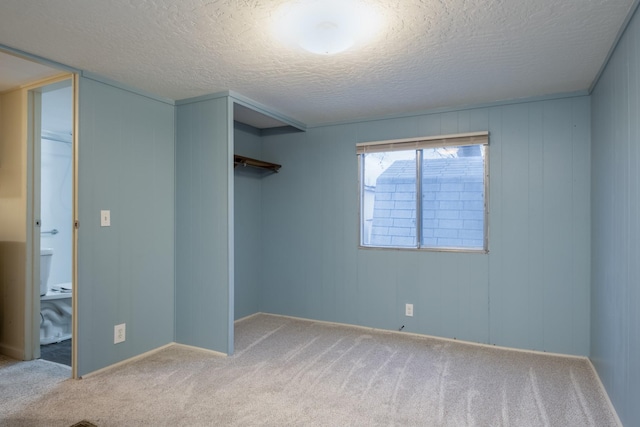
x=425, y=193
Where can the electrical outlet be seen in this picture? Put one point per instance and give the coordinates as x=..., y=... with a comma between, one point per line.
x=119, y=333
x=408, y=310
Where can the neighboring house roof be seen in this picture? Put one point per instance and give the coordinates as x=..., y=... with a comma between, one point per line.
x=434, y=168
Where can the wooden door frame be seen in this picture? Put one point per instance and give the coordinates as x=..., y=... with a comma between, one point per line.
x=32, y=283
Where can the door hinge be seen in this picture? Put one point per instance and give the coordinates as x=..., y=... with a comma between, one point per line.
x=76, y=224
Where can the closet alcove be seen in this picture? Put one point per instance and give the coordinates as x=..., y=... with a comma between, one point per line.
x=252, y=168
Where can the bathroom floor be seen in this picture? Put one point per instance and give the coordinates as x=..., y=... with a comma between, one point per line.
x=58, y=352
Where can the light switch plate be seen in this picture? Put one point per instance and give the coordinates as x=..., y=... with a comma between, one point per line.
x=105, y=218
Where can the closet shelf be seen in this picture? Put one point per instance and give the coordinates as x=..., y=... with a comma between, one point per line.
x=247, y=161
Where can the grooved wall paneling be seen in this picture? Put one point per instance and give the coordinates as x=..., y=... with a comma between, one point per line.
x=126, y=271
x=204, y=225
x=247, y=219
x=531, y=291
x=615, y=270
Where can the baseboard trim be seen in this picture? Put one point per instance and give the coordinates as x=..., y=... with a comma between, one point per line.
x=242, y=319
x=12, y=352
x=604, y=391
x=149, y=353
x=126, y=361
x=204, y=350
x=414, y=334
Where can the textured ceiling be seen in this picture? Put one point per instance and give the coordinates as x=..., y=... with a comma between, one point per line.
x=430, y=53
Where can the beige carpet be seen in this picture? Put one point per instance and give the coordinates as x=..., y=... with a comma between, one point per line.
x=295, y=372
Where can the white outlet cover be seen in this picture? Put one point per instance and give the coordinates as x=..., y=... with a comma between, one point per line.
x=408, y=311
x=105, y=218
x=119, y=333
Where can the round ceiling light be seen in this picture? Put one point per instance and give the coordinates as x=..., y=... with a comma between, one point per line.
x=325, y=27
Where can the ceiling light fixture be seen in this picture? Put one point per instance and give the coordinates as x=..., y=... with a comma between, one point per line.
x=326, y=27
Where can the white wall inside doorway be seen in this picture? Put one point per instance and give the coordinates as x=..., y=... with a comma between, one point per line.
x=56, y=181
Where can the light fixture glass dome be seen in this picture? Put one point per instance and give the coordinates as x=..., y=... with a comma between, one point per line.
x=325, y=27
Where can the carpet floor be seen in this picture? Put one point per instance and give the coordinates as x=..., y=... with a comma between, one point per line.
x=296, y=372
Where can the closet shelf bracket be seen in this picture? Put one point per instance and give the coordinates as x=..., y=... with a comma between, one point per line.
x=254, y=163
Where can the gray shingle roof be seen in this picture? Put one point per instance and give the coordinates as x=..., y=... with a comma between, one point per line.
x=452, y=204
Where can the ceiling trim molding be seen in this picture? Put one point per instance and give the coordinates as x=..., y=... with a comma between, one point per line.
x=98, y=78
x=407, y=114
x=37, y=59
x=36, y=84
x=202, y=98
x=267, y=111
x=87, y=74
x=623, y=29
x=249, y=103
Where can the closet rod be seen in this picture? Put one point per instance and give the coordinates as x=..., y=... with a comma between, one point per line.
x=255, y=163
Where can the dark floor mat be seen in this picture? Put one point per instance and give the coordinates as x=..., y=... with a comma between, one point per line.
x=58, y=352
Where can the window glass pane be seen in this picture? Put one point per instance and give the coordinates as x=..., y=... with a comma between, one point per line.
x=389, y=199
x=453, y=211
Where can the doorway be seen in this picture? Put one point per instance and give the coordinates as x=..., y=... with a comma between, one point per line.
x=56, y=219
x=23, y=82
x=51, y=206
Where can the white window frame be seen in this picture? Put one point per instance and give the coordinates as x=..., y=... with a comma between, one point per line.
x=418, y=144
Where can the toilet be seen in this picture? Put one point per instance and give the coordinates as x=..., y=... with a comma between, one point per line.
x=55, y=304
x=46, y=254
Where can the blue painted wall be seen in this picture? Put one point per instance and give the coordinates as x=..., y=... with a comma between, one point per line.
x=126, y=271
x=247, y=219
x=531, y=291
x=615, y=273
x=204, y=224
